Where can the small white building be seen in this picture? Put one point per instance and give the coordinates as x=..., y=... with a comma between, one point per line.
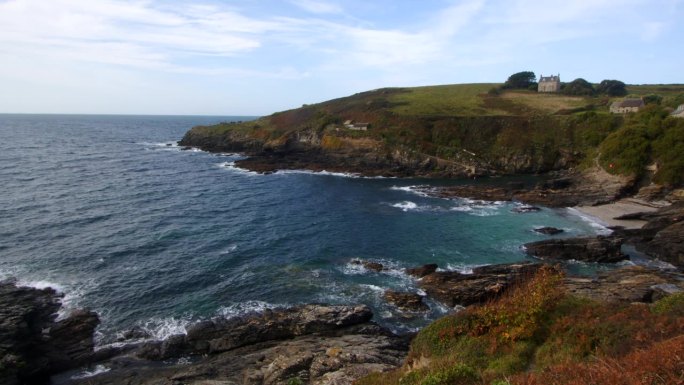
x=627, y=105
x=350, y=124
x=549, y=83
x=679, y=112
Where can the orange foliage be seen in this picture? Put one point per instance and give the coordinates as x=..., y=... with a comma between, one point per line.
x=661, y=363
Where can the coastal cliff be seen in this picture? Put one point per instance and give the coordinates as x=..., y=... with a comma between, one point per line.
x=454, y=131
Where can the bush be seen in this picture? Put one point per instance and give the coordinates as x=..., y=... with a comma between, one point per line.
x=670, y=305
x=612, y=88
x=625, y=151
x=668, y=150
x=459, y=374
x=579, y=87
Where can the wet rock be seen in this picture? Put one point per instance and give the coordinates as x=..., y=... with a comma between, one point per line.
x=33, y=344
x=422, y=271
x=339, y=353
x=486, y=282
x=220, y=335
x=548, y=230
x=603, y=249
x=405, y=301
x=136, y=333
x=373, y=266
x=627, y=284
x=71, y=340
x=667, y=245
x=526, y=209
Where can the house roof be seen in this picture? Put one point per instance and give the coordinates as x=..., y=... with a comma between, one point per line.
x=543, y=79
x=631, y=103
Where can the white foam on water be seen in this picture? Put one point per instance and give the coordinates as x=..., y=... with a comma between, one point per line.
x=71, y=295
x=163, y=328
x=247, y=307
x=232, y=167
x=374, y=288
x=324, y=172
x=462, y=268
x=600, y=227
x=406, y=206
x=229, y=249
x=417, y=190
x=98, y=369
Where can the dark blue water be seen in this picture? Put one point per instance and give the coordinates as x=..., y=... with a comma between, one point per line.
x=109, y=210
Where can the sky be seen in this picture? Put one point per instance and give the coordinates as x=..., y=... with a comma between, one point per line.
x=255, y=57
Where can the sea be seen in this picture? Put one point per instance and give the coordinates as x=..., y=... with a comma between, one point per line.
x=113, y=214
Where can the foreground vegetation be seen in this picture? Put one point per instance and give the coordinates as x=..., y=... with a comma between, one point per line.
x=537, y=334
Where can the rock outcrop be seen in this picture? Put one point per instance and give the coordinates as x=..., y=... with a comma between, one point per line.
x=305, y=344
x=663, y=236
x=627, y=284
x=590, y=187
x=548, y=230
x=422, y=271
x=486, y=282
x=411, y=302
x=602, y=249
x=33, y=345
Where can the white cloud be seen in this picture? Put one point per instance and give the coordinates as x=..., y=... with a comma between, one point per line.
x=317, y=6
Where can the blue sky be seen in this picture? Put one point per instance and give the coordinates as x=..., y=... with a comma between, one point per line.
x=254, y=57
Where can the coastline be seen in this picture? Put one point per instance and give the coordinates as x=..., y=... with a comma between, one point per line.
x=606, y=214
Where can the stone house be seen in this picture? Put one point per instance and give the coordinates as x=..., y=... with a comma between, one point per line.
x=549, y=83
x=627, y=105
x=679, y=112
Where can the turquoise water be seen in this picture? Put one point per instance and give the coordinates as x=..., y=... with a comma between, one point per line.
x=113, y=213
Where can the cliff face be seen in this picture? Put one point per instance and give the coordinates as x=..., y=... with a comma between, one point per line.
x=393, y=146
x=456, y=131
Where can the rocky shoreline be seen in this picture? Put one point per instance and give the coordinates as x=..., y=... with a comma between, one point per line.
x=314, y=344
x=322, y=344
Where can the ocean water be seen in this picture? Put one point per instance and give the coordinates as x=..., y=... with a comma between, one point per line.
x=111, y=212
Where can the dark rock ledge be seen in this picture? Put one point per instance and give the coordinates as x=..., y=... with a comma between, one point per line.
x=313, y=343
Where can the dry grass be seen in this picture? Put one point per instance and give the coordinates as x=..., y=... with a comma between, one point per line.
x=547, y=103
x=660, y=364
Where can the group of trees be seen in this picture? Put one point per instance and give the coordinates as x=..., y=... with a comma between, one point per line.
x=580, y=87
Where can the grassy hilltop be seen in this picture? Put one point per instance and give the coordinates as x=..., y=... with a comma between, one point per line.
x=469, y=125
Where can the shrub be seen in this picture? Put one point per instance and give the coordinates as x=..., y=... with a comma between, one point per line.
x=668, y=150
x=458, y=374
x=672, y=305
x=625, y=151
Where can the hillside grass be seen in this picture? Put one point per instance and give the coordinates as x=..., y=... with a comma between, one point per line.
x=445, y=100
x=545, y=102
x=537, y=334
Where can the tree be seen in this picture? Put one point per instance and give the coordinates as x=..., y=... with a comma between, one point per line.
x=612, y=88
x=579, y=87
x=652, y=99
x=520, y=80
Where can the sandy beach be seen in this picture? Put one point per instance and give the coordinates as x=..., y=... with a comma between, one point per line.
x=606, y=214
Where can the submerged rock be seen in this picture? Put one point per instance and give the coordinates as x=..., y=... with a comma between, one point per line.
x=604, y=249
x=548, y=230
x=373, y=266
x=526, y=209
